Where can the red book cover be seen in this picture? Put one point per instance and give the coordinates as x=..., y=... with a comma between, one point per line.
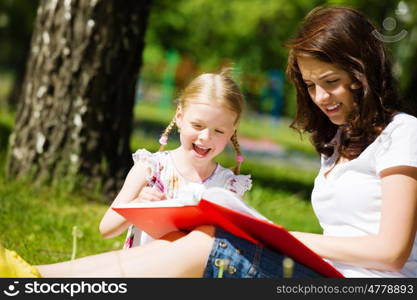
x=160, y=220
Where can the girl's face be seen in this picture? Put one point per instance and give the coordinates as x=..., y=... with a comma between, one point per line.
x=329, y=87
x=205, y=129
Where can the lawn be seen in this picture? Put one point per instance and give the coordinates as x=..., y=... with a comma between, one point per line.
x=38, y=221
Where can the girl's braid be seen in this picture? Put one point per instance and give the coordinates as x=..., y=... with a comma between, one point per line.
x=164, y=138
x=239, y=157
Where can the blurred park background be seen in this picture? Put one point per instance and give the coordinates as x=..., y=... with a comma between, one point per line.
x=84, y=83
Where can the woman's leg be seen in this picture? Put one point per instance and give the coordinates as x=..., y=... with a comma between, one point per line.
x=175, y=255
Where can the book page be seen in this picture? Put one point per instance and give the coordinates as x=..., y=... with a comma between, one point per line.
x=162, y=203
x=185, y=197
x=230, y=200
x=216, y=195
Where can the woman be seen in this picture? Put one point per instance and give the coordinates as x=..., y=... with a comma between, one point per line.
x=365, y=195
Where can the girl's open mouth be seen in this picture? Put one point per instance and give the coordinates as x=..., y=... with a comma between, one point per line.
x=201, y=150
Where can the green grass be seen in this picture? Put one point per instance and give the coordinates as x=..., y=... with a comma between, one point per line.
x=276, y=131
x=37, y=221
x=284, y=208
x=280, y=193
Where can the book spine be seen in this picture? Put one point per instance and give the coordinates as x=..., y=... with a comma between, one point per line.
x=219, y=220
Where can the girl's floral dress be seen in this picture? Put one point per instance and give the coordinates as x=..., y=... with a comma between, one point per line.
x=162, y=173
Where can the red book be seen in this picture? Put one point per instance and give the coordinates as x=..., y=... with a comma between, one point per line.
x=221, y=208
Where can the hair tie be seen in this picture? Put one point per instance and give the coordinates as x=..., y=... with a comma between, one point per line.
x=163, y=140
x=239, y=158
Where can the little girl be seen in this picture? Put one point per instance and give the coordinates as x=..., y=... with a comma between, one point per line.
x=207, y=116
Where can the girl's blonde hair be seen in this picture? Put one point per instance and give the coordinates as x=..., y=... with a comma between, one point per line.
x=218, y=88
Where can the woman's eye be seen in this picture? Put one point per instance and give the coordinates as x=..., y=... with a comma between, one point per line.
x=219, y=131
x=332, y=81
x=310, y=86
x=196, y=126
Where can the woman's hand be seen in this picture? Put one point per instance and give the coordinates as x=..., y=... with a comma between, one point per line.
x=148, y=194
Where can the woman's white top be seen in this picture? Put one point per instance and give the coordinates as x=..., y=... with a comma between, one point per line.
x=348, y=200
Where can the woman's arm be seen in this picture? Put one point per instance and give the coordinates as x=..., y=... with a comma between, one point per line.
x=390, y=248
x=112, y=224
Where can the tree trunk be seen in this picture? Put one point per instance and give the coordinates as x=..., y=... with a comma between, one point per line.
x=75, y=114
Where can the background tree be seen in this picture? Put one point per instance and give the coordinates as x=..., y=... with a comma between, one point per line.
x=392, y=17
x=251, y=34
x=75, y=112
x=406, y=54
x=74, y=78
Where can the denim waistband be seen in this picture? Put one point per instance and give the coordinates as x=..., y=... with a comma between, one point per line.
x=234, y=257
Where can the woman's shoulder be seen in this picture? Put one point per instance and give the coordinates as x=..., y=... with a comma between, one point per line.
x=397, y=143
x=402, y=119
x=401, y=126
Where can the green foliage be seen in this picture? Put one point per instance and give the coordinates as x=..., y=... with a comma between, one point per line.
x=6, y=80
x=211, y=33
x=247, y=32
x=251, y=36
x=16, y=25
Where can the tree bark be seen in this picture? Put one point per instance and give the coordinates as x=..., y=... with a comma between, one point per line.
x=74, y=118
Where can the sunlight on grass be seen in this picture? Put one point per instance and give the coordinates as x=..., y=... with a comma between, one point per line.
x=284, y=208
x=37, y=222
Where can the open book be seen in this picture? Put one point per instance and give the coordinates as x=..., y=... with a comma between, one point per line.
x=222, y=208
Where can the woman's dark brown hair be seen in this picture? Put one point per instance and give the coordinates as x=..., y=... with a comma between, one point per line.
x=344, y=37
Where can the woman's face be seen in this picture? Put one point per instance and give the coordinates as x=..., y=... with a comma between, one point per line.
x=329, y=87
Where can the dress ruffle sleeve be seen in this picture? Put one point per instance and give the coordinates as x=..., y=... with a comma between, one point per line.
x=148, y=160
x=239, y=184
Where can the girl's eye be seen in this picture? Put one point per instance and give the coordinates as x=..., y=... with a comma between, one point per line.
x=219, y=131
x=197, y=126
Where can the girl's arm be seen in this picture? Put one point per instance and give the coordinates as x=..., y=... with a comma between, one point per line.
x=112, y=224
x=390, y=248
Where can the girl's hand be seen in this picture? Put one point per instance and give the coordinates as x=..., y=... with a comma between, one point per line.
x=148, y=194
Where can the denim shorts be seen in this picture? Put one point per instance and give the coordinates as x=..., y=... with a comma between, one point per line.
x=234, y=257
